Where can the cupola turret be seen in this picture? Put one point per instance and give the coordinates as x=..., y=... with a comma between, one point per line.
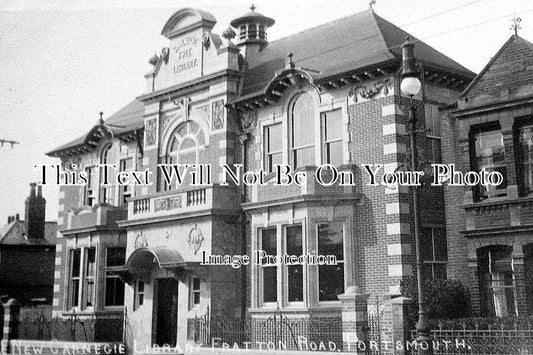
x=251, y=27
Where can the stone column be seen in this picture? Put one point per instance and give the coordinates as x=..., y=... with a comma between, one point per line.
x=354, y=320
x=519, y=275
x=10, y=326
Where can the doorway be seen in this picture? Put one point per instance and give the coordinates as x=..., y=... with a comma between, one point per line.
x=167, y=312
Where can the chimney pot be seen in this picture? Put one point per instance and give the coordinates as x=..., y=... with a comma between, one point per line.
x=17, y=217
x=39, y=191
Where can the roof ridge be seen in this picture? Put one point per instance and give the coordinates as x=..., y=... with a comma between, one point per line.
x=489, y=64
x=319, y=26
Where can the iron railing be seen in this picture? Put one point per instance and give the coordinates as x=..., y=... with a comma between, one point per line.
x=499, y=339
x=276, y=332
x=73, y=327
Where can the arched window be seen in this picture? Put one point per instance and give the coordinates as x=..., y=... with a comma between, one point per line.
x=302, y=131
x=184, y=145
x=107, y=191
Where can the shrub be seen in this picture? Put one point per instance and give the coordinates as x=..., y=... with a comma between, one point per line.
x=445, y=299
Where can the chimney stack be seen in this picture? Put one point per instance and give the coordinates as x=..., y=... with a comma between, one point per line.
x=35, y=208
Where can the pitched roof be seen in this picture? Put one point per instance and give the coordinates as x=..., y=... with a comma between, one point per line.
x=515, y=50
x=14, y=233
x=127, y=119
x=354, y=42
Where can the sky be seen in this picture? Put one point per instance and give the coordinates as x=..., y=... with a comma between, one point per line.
x=62, y=62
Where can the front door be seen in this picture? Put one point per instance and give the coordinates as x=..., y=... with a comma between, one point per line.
x=167, y=312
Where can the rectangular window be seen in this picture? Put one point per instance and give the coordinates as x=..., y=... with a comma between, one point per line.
x=434, y=252
x=114, y=286
x=195, y=292
x=269, y=272
x=125, y=191
x=90, y=277
x=331, y=277
x=295, y=272
x=489, y=154
x=525, y=159
x=75, y=278
x=88, y=192
x=433, y=134
x=332, y=137
x=273, y=146
x=139, y=294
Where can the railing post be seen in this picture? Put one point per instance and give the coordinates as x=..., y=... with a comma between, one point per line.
x=11, y=320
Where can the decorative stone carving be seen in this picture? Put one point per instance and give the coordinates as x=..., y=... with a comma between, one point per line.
x=195, y=239
x=218, y=114
x=151, y=131
x=206, y=40
x=249, y=121
x=140, y=240
x=167, y=119
x=228, y=34
x=168, y=235
x=166, y=54
x=167, y=204
x=370, y=92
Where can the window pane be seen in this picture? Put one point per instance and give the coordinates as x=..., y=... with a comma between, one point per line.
x=90, y=293
x=333, y=125
x=331, y=282
x=330, y=239
x=91, y=254
x=331, y=277
x=75, y=255
x=75, y=294
x=426, y=244
x=114, y=291
x=334, y=153
x=295, y=283
x=303, y=112
x=116, y=256
x=196, y=284
x=294, y=240
x=188, y=143
x=304, y=157
x=270, y=282
x=268, y=241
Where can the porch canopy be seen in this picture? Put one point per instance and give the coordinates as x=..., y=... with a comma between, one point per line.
x=143, y=260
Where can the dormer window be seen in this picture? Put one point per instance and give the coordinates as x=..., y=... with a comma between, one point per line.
x=302, y=131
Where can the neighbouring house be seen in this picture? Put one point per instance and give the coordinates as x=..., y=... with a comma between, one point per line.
x=327, y=95
x=490, y=228
x=27, y=254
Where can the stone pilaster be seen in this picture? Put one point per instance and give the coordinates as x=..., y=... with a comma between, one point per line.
x=10, y=326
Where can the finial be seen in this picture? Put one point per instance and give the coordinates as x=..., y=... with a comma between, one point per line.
x=289, y=63
x=101, y=120
x=371, y=4
x=515, y=24
x=252, y=7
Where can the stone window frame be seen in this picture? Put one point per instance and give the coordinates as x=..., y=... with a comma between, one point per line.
x=83, y=280
x=282, y=292
x=520, y=124
x=475, y=130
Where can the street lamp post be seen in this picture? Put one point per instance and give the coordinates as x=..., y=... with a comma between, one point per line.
x=410, y=86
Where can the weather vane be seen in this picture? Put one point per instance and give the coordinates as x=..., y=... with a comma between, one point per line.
x=515, y=24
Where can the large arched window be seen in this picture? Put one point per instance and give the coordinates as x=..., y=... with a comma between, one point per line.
x=302, y=131
x=184, y=145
